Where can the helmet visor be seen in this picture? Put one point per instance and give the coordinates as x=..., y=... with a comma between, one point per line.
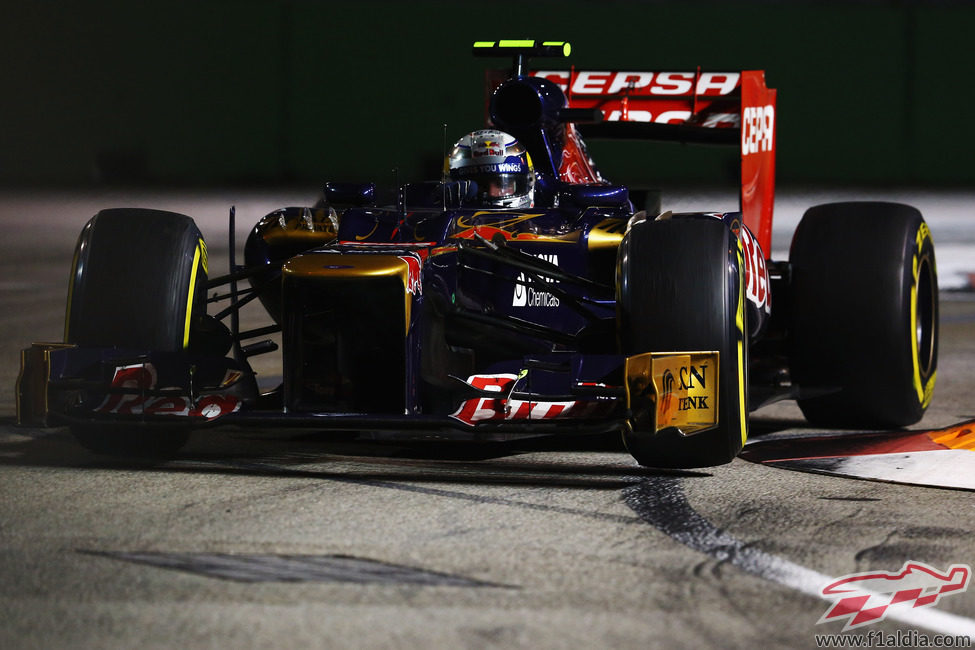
x=500, y=186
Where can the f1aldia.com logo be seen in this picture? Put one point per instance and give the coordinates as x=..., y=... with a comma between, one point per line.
x=864, y=598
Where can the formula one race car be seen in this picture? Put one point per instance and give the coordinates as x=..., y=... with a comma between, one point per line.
x=519, y=295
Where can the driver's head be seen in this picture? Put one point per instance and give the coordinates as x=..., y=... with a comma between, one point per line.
x=500, y=166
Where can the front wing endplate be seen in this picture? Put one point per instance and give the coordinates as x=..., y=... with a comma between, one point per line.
x=672, y=390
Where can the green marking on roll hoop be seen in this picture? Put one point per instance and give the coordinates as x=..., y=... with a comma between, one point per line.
x=517, y=44
x=566, y=47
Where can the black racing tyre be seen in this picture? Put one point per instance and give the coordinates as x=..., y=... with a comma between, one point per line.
x=680, y=288
x=138, y=282
x=138, y=279
x=864, y=314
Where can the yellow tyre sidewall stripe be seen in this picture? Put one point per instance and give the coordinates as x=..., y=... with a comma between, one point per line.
x=925, y=390
x=740, y=326
x=199, y=260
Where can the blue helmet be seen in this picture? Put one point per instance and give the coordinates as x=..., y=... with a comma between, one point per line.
x=499, y=164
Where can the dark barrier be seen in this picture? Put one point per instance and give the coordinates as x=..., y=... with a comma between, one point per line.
x=262, y=91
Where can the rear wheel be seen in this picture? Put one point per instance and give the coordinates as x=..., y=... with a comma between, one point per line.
x=680, y=289
x=865, y=314
x=138, y=283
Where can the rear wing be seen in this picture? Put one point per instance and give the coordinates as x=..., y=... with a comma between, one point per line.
x=730, y=108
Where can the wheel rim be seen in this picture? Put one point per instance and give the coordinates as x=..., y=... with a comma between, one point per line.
x=926, y=323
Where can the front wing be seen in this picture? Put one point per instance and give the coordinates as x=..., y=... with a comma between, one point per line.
x=61, y=384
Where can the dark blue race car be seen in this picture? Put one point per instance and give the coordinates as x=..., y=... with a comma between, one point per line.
x=521, y=294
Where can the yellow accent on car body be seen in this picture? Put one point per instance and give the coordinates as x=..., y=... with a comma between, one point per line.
x=32, y=383
x=353, y=265
x=608, y=233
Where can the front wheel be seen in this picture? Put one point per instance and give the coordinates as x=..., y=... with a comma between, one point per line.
x=680, y=288
x=138, y=283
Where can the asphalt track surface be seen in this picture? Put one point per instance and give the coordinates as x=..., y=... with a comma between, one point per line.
x=290, y=539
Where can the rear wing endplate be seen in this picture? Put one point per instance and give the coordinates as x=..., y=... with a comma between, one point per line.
x=730, y=108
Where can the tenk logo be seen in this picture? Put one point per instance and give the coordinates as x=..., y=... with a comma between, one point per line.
x=865, y=598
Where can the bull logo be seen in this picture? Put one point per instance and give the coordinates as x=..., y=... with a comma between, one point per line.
x=667, y=395
x=412, y=281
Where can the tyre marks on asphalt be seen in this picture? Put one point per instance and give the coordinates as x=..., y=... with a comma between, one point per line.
x=295, y=568
x=656, y=499
x=443, y=474
x=661, y=502
x=343, y=568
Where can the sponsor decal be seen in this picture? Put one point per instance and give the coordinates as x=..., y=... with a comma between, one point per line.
x=526, y=295
x=521, y=410
x=414, y=286
x=144, y=376
x=756, y=271
x=484, y=409
x=492, y=168
x=687, y=383
x=487, y=151
x=758, y=129
x=865, y=598
x=661, y=84
x=683, y=387
x=673, y=389
x=713, y=120
x=688, y=378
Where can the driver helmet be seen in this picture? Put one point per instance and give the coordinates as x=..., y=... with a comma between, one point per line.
x=499, y=164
